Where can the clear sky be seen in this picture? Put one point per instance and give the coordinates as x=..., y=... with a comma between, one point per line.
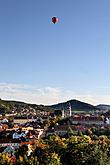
x=45, y=63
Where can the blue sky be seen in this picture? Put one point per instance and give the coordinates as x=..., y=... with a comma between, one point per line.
x=47, y=63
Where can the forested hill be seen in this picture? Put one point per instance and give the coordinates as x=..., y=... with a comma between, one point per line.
x=75, y=106
x=17, y=107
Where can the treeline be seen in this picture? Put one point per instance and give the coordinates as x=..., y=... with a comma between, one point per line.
x=55, y=150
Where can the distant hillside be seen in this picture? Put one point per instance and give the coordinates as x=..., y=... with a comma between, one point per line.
x=75, y=106
x=103, y=107
x=21, y=107
x=5, y=106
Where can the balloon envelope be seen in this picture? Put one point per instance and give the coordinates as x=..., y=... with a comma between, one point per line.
x=54, y=20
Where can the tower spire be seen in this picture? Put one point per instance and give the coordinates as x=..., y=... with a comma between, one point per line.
x=69, y=109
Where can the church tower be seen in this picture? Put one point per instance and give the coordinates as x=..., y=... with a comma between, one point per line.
x=70, y=110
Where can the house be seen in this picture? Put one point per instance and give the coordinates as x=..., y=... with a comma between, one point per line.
x=17, y=135
x=40, y=132
x=86, y=119
x=9, y=142
x=20, y=120
x=50, y=132
x=5, y=120
x=59, y=130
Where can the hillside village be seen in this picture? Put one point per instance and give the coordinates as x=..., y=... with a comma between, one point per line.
x=25, y=125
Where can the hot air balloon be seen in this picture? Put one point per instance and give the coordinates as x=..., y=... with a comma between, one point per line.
x=54, y=20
